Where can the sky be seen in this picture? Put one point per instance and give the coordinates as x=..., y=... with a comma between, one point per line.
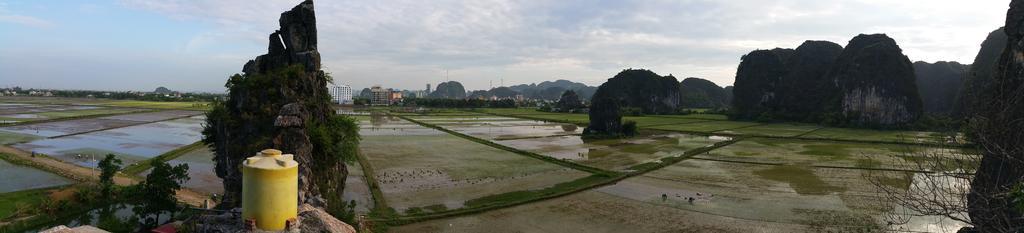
x=194, y=45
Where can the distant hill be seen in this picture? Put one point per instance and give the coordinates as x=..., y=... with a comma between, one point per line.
x=500, y=92
x=701, y=93
x=163, y=90
x=449, y=90
x=552, y=90
x=939, y=84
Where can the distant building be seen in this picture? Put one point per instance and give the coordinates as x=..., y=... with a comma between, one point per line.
x=340, y=94
x=380, y=96
x=419, y=94
x=395, y=97
x=428, y=91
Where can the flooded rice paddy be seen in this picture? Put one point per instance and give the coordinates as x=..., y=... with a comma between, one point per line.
x=421, y=167
x=132, y=143
x=201, y=173
x=27, y=178
x=755, y=184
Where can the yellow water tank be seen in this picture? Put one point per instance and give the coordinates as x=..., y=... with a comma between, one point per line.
x=270, y=189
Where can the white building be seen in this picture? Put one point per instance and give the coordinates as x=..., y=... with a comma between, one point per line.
x=340, y=94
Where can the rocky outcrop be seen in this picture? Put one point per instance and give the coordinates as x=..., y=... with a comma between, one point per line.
x=876, y=83
x=870, y=82
x=640, y=89
x=997, y=129
x=701, y=93
x=804, y=88
x=569, y=102
x=980, y=74
x=79, y=229
x=271, y=106
x=939, y=83
x=309, y=219
x=758, y=77
x=449, y=90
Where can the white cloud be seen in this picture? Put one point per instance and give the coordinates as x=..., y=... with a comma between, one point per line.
x=405, y=43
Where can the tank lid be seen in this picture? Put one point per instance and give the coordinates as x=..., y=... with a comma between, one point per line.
x=271, y=159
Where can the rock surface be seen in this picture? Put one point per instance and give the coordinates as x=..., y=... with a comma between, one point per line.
x=643, y=89
x=980, y=73
x=268, y=107
x=757, y=82
x=939, y=83
x=639, y=89
x=701, y=93
x=449, y=90
x=998, y=131
x=79, y=229
x=876, y=83
x=804, y=88
x=309, y=219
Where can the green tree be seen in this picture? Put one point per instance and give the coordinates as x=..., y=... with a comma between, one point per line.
x=109, y=167
x=155, y=195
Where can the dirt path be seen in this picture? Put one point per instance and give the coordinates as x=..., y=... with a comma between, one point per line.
x=85, y=174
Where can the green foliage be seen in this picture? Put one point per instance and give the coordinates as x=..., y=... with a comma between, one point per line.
x=629, y=128
x=109, y=221
x=155, y=195
x=347, y=213
x=1018, y=197
x=570, y=102
x=334, y=141
x=631, y=111
x=109, y=167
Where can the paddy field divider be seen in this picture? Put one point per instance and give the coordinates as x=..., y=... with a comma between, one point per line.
x=144, y=165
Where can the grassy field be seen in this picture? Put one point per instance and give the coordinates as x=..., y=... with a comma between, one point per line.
x=108, y=102
x=776, y=130
x=706, y=127
x=7, y=138
x=876, y=135
x=12, y=202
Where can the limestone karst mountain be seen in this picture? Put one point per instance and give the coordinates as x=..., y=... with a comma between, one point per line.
x=980, y=73
x=449, y=90
x=939, y=83
x=870, y=82
x=755, y=91
x=701, y=93
x=876, y=83
x=276, y=103
x=804, y=89
x=993, y=202
x=639, y=89
x=552, y=90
